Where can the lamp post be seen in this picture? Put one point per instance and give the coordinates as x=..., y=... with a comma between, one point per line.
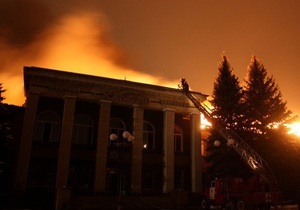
x=229, y=142
x=127, y=138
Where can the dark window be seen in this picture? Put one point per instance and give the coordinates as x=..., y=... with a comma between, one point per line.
x=148, y=136
x=82, y=130
x=81, y=174
x=42, y=172
x=47, y=127
x=179, y=179
x=116, y=126
x=149, y=178
x=178, y=139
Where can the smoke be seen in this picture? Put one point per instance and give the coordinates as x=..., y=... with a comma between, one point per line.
x=22, y=20
x=76, y=41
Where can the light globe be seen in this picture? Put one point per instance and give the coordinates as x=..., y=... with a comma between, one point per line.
x=217, y=143
x=130, y=138
x=126, y=134
x=113, y=137
x=230, y=142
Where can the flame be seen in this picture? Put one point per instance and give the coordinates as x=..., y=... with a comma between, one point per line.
x=294, y=128
x=205, y=124
x=79, y=43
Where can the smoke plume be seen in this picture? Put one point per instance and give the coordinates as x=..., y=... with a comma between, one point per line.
x=77, y=40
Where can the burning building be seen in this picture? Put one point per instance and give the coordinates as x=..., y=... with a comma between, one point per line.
x=72, y=136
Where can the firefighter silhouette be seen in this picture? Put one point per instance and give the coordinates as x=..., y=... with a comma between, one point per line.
x=184, y=85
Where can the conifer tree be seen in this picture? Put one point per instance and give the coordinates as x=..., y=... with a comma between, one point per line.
x=265, y=107
x=262, y=99
x=5, y=136
x=4, y=128
x=227, y=94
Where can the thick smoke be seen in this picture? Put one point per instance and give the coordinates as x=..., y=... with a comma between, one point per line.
x=34, y=33
x=22, y=20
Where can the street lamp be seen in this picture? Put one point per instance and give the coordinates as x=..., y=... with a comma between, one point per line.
x=127, y=138
x=230, y=141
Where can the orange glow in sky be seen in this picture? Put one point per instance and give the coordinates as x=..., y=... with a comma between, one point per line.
x=156, y=42
x=74, y=44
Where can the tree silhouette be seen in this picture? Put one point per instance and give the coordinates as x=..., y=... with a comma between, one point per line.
x=250, y=112
x=4, y=126
x=227, y=97
x=262, y=99
x=5, y=136
x=227, y=94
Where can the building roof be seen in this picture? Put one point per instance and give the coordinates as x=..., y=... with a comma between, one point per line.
x=47, y=81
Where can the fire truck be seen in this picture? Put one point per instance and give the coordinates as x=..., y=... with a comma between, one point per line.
x=258, y=192
x=240, y=194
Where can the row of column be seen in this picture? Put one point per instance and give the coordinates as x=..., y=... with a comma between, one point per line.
x=102, y=144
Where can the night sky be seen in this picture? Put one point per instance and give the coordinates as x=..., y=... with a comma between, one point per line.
x=152, y=41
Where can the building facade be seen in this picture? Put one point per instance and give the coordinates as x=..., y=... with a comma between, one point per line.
x=68, y=121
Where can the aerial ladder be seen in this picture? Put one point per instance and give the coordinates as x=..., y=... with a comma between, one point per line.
x=250, y=157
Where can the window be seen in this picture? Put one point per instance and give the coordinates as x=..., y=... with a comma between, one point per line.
x=178, y=139
x=149, y=176
x=81, y=173
x=42, y=172
x=148, y=136
x=47, y=127
x=179, y=179
x=82, y=130
x=116, y=126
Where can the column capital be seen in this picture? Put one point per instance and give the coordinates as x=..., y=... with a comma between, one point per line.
x=136, y=105
x=104, y=101
x=169, y=109
x=69, y=96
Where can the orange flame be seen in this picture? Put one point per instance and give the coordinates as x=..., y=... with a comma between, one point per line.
x=294, y=128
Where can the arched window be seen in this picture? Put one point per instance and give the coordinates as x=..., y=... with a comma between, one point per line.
x=148, y=136
x=178, y=139
x=117, y=126
x=82, y=130
x=47, y=127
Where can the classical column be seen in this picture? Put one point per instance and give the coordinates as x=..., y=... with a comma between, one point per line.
x=26, y=141
x=101, y=147
x=196, y=159
x=137, y=149
x=65, y=142
x=169, y=120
